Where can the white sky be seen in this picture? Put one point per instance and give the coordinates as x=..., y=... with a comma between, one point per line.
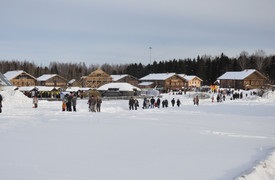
x=121, y=31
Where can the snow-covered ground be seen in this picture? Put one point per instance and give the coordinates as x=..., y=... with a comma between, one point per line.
x=229, y=140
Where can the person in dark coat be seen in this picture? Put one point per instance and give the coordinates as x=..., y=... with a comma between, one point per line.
x=131, y=103
x=1, y=98
x=158, y=102
x=152, y=102
x=74, y=98
x=178, y=103
x=166, y=103
x=98, y=104
x=136, y=104
x=173, y=102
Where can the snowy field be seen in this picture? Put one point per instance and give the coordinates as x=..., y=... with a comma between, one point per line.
x=212, y=141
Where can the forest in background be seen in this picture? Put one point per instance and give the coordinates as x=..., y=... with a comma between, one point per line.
x=206, y=67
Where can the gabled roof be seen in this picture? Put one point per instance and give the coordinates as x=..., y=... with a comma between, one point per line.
x=4, y=81
x=72, y=81
x=146, y=83
x=12, y=74
x=119, y=86
x=47, y=88
x=99, y=71
x=46, y=77
x=157, y=76
x=238, y=75
x=118, y=77
x=189, y=77
x=27, y=88
x=75, y=89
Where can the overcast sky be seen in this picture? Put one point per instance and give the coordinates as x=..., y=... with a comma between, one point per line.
x=121, y=31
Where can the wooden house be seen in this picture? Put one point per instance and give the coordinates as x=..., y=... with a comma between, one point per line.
x=125, y=78
x=192, y=81
x=246, y=79
x=20, y=78
x=52, y=80
x=74, y=83
x=165, y=81
x=96, y=79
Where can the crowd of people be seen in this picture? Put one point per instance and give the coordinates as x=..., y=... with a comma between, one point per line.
x=69, y=101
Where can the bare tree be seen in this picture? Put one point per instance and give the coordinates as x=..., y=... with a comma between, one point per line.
x=261, y=60
x=243, y=60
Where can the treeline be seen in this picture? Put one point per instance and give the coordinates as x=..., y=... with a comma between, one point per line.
x=208, y=68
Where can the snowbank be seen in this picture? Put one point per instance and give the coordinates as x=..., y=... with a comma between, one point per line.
x=265, y=170
x=14, y=97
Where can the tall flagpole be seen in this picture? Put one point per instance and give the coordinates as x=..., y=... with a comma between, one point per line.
x=150, y=51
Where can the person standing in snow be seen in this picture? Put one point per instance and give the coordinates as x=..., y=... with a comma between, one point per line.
x=98, y=104
x=64, y=102
x=136, y=104
x=69, y=102
x=173, y=102
x=74, y=98
x=152, y=102
x=196, y=100
x=1, y=98
x=35, y=102
x=92, y=103
x=158, y=102
x=166, y=102
x=178, y=103
x=131, y=103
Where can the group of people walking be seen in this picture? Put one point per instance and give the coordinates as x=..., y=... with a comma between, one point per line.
x=152, y=103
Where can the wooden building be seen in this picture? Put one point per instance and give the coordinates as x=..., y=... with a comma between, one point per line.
x=52, y=80
x=246, y=79
x=192, y=81
x=20, y=78
x=96, y=79
x=125, y=78
x=165, y=81
x=74, y=83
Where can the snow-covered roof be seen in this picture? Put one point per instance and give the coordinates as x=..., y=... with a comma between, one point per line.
x=4, y=81
x=157, y=76
x=74, y=89
x=189, y=77
x=71, y=81
x=12, y=74
x=145, y=83
x=237, y=75
x=46, y=77
x=119, y=86
x=118, y=77
x=47, y=88
x=27, y=88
